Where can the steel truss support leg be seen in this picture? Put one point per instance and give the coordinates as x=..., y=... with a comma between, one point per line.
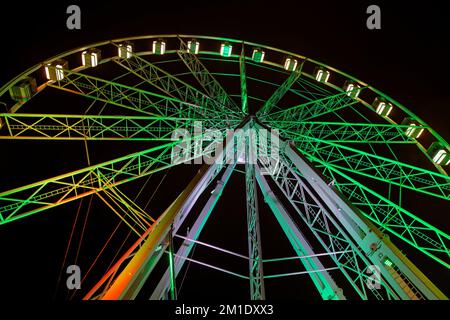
x=401, y=274
x=185, y=249
x=257, y=291
x=129, y=282
x=352, y=263
x=147, y=252
x=323, y=281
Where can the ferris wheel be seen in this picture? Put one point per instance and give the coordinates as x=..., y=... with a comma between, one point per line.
x=341, y=169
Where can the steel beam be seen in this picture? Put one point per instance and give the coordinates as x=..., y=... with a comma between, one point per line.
x=168, y=83
x=407, y=281
x=353, y=264
x=326, y=286
x=280, y=92
x=206, y=79
x=194, y=232
x=131, y=98
x=96, y=127
x=311, y=109
x=345, y=132
x=129, y=212
x=257, y=291
x=130, y=280
x=243, y=77
x=392, y=171
x=26, y=200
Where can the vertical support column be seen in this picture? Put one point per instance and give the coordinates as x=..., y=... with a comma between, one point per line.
x=254, y=237
x=244, y=97
x=173, y=286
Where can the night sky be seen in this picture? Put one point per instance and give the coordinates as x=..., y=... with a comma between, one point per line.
x=408, y=59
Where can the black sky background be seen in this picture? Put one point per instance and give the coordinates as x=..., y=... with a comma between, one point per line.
x=408, y=59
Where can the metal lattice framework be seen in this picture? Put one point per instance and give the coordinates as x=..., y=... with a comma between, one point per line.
x=340, y=180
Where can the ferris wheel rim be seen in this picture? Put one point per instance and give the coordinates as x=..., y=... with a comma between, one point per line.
x=411, y=114
x=146, y=53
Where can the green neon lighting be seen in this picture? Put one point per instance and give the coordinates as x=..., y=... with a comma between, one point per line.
x=193, y=46
x=226, y=49
x=388, y=262
x=258, y=55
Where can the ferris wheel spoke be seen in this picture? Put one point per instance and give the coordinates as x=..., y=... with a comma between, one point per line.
x=385, y=212
x=311, y=86
x=169, y=84
x=372, y=166
x=345, y=132
x=206, y=79
x=280, y=92
x=309, y=90
x=24, y=201
x=310, y=110
x=128, y=211
x=135, y=99
x=243, y=78
x=96, y=127
x=304, y=87
x=394, y=218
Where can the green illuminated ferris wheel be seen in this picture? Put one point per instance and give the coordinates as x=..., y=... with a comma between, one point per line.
x=349, y=161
